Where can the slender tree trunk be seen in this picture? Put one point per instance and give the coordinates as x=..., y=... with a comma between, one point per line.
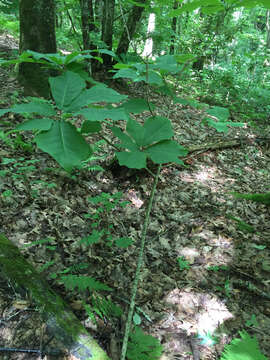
x=173, y=27
x=87, y=16
x=89, y=29
x=148, y=46
x=37, y=33
x=107, y=30
x=268, y=29
x=130, y=28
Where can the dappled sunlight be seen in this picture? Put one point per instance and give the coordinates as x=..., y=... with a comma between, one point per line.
x=209, y=176
x=189, y=253
x=205, y=174
x=133, y=197
x=194, y=314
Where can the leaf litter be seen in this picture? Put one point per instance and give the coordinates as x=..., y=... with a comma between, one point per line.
x=224, y=286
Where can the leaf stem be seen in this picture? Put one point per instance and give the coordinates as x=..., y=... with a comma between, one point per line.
x=138, y=268
x=108, y=141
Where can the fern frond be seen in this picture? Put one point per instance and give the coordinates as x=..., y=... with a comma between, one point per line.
x=246, y=348
x=259, y=198
x=94, y=238
x=143, y=347
x=82, y=283
x=105, y=307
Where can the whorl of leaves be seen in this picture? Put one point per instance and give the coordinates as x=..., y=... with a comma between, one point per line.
x=244, y=348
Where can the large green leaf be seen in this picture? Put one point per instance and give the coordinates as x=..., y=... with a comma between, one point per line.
x=126, y=73
x=133, y=160
x=137, y=106
x=221, y=113
x=212, y=9
x=79, y=102
x=90, y=127
x=107, y=52
x=166, y=151
x=95, y=114
x=244, y=348
x=152, y=77
x=157, y=128
x=167, y=64
x=136, y=131
x=64, y=144
x=36, y=124
x=76, y=57
x=126, y=141
x=65, y=88
x=220, y=126
x=186, y=7
x=37, y=107
x=266, y=3
x=183, y=58
x=100, y=93
x=248, y=4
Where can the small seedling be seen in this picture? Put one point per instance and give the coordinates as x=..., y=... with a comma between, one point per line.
x=100, y=217
x=183, y=263
x=7, y=193
x=227, y=289
x=252, y=321
x=216, y=268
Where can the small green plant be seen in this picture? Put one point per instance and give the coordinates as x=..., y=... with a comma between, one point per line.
x=216, y=268
x=49, y=244
x=183, y=263
x=252, y=321
x=16, y=141
x=227, y=289
x=100, y=220
x=242, y=225
x=43, y=241
x=259, y=198
x=55, y=132
x=7, y=193
x=102, y=307
x=243, y=348
x=143, y=347
x=152, y=140
x=21, y=168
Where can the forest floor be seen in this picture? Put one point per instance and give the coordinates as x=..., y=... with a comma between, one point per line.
x=203, y=271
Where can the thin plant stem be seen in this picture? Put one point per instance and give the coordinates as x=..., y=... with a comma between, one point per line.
x=138, y=268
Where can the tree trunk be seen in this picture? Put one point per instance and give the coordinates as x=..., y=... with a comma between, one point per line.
x=107, y=30
x=268, y=29
x=87, y=17
x=89, y=29
x=173, y=27
x=37, y=33
x=61, y=323
x=149, y=43
x=130, y=28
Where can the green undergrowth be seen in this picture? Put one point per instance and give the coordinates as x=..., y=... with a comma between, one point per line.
x=63, y=127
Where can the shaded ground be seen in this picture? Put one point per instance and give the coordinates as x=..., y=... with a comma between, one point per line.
x=223, y=282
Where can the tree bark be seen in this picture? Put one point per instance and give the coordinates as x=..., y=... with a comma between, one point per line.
x=87, y=17
x=61, y=323
x=37, y=33
x=130, y=28
x=107, y=30
x=173, y=27
x=268, y=29
x=89, y=29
